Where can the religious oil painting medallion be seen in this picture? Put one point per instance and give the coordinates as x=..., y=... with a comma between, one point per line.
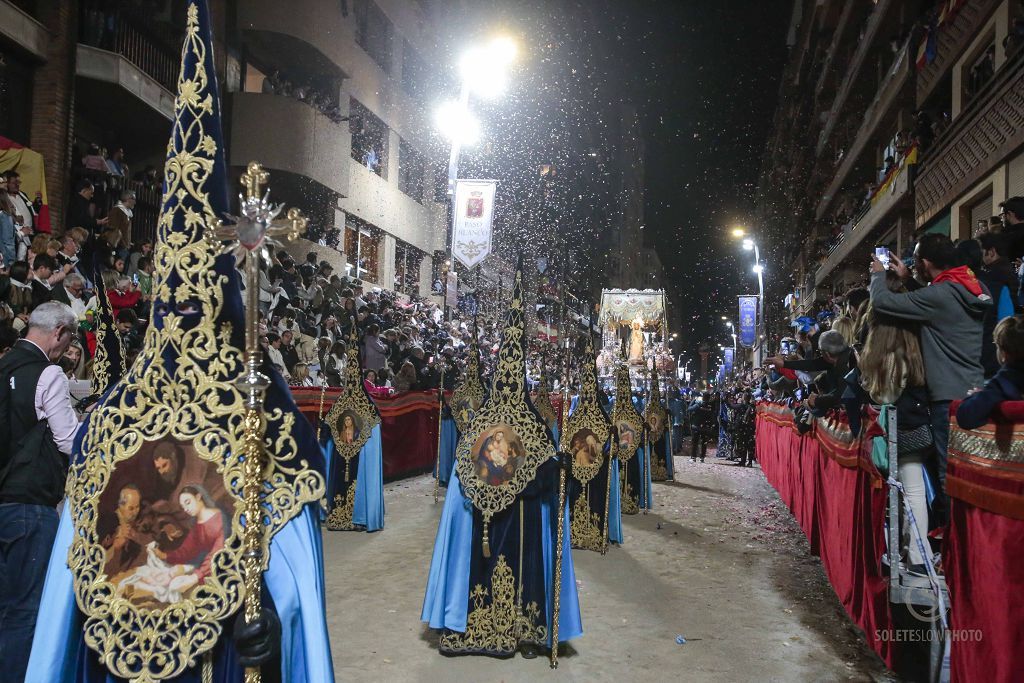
x=155, y=490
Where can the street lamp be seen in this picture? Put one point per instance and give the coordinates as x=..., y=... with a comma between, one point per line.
x=483, y=70
x=750, y=245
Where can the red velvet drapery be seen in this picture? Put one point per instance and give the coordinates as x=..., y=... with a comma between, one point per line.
x=827, y=480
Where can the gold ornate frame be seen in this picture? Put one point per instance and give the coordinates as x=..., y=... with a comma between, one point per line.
x=625, y=411
x=585, y=527
x=471, y=388
x=182, y=386
x=655, y=408
x=588, y=415
x=355, y=400
x=507, y=403
x=542, y=402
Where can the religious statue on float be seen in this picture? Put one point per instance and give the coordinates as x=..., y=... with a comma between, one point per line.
x=636, y=341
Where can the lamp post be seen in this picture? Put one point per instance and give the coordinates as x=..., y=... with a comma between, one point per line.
x=483, y=71
x=750, y=245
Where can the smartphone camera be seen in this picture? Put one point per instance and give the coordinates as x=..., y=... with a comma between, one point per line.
x=882, y=254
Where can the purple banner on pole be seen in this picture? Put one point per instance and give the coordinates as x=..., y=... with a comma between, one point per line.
x=748, y=320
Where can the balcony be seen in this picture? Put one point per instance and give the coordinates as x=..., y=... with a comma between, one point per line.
x=282, y=32
x=953, y=39
x=856, y=62
x=882, y=205
x=19, y=26
x=977, y=142
x=304, y=141
x=891, y=92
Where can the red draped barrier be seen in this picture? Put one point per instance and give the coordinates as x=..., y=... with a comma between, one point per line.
x=827, y=480
x=985, y=481
x=408, y=426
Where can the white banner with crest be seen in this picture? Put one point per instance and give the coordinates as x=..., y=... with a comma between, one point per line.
x=471, y=230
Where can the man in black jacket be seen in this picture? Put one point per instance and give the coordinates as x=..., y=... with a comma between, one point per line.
x=80, y=211
x=998, y=277
x=37, y=428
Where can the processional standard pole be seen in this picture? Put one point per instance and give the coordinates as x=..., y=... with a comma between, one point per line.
x=254, y=226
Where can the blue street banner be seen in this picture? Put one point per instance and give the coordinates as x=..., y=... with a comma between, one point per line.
x=729, y=359
x=748, y=320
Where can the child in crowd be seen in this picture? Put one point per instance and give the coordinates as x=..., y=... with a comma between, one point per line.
x=1006, y=385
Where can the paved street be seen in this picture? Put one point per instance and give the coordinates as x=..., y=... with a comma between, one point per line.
x=719, y=561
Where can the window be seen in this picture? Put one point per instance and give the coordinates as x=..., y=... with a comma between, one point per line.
x=373, y=33
x=407, y=268
x=413, y=71
x=15, y=98
x=410, y=171
x=369, y=139
x=362, y=243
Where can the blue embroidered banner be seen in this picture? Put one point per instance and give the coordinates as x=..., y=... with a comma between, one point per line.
x=748, y=320
x=729, y=359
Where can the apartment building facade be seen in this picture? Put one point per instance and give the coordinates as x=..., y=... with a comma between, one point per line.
x=332, y=97
x=891, y=123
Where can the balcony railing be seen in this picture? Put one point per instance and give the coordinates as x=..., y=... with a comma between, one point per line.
x=129, y=37
x=870, y=31
x=886, y=198
x=889, y=91
x=980, y=139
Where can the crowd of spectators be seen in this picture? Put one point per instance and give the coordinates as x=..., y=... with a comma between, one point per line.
x=319, y=99
x=943, y=326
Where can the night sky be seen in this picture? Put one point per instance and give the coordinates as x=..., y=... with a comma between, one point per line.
x=711, y=77
x=704, y=76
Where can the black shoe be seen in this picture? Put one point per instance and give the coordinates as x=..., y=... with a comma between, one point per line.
x=529, y=651
x=702, y=459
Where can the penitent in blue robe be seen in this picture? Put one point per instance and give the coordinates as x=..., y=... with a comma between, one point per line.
x=446, y=454
x=456, y=565
x=368, y=508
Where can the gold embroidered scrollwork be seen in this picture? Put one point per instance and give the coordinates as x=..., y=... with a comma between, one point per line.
x=340, y=518
x=586, y=527
x=181, y=388
x=469, y=395
x=501, y=626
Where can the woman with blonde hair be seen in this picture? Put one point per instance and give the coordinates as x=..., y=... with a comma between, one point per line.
x=892, y=373
x=300, y=376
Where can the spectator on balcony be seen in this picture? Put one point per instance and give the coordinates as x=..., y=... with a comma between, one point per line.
x=1012, y=213
x=273, y=350
x=116, y=165
x=42, y=269
x=25, y=211
x=951, y=310
x=1006, y=385
x=289, y=354
x=94, y=160
x=374, y=351
x=120, y=221
x=8, y=229
x=123, y=295
x=80, y=213
x=72, y=292
x=998, y=277
x=139, y=252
